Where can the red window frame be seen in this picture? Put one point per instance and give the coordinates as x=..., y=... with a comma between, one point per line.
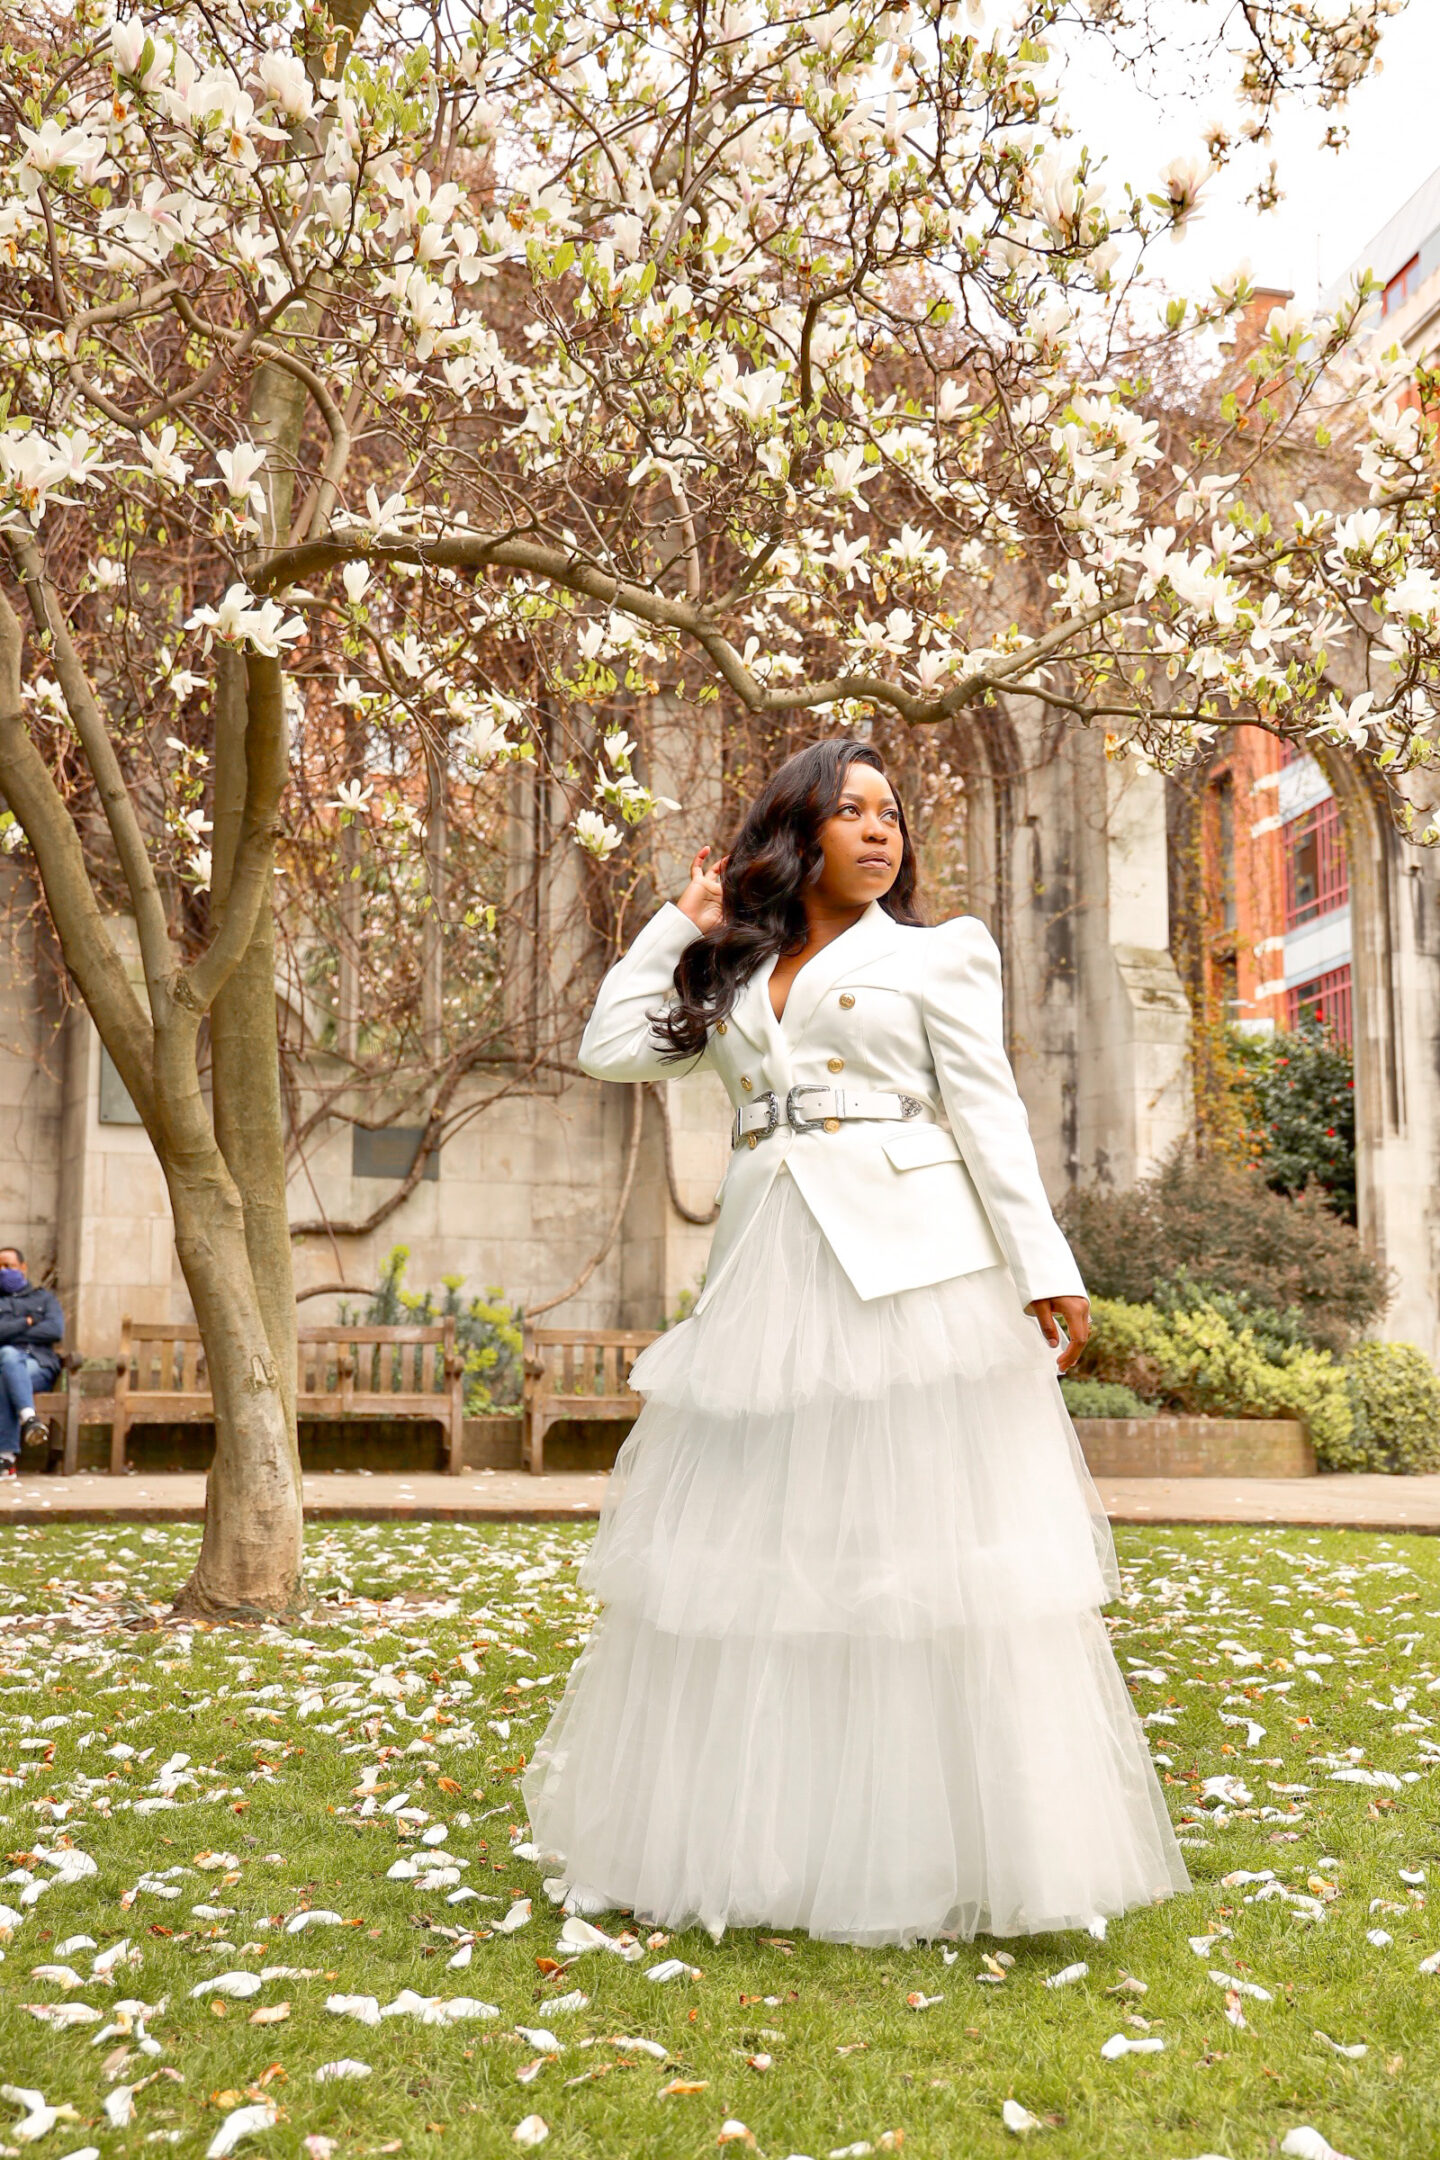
x=1329, y=997
x=1317, y=875
x=1399, y=288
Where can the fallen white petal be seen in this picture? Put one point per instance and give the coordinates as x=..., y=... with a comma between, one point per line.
x=1018, y=2118
x=346, y=2067
x=1306, y=2143
x=459, y=2007
x=364, y=2008
x=533, y=2130
x=1243, y=1987
x=298, y=1922
x=240, y=1985
x=1066, y=1975
x=241, y=2123
x=1120, y=2044
x=540, y=2037
x=1356, y=2049
x=577, y=1936
x=120, y=2106
x=39, y=2118
x=517, y=1917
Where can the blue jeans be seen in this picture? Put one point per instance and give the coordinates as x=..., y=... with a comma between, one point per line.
x=18, y=1376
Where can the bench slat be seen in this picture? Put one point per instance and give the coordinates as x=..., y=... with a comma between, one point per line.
x=375, y=1334
x=543, y=1337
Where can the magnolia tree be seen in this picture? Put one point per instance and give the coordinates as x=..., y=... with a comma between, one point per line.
x=456, y=379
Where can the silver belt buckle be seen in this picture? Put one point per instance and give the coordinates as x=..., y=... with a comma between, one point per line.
x=772, y=1121
x=801, y=1123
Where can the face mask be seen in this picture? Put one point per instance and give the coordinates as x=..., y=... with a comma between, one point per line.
x=12, y=1278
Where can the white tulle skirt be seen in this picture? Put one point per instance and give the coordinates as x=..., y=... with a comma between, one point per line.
x=850, y=1674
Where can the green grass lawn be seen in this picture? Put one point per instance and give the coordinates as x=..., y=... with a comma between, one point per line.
x=223, y=1782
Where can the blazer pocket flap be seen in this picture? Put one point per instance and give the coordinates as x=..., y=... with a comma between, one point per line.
x=915, y=1146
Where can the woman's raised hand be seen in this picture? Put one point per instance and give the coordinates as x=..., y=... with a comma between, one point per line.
x=701, y=899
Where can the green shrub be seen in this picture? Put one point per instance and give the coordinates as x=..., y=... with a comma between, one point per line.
x=1395, y=1401
x=1299, y=1087
x=1102, y=1399
x=1276, y=1332
x=1197, y=1362
x=488, y=1331
x=1221, y=1226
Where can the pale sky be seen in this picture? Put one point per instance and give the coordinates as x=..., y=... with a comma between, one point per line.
x=1334, y=202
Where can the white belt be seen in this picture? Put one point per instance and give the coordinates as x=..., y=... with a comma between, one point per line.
x=821, y=1108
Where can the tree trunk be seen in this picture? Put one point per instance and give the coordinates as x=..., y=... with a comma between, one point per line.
x=250, y=1553
x=250, y=1556
x=245, y=1057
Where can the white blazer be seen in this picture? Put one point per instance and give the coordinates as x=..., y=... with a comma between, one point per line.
x=889, y=1006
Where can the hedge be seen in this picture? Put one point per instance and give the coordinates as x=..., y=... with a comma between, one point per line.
x=1377, y=1409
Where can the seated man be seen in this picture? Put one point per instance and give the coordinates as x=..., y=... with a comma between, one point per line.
x=32, y=1328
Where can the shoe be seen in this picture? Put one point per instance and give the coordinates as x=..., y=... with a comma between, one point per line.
x=8, y=1467
x=31, y=1423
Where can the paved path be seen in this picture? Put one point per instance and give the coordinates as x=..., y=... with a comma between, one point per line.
x=1344, y=1502
x=179, y=1496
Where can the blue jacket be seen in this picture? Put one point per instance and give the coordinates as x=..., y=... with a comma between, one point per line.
x=31, y=1320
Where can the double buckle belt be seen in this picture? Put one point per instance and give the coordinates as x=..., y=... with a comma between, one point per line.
x=756, y=1121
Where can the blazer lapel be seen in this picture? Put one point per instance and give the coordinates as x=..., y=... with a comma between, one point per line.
x=754, y=1015
x=861, y=943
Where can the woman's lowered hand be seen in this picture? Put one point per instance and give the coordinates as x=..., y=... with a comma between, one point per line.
x=702, y=899
x=1075, y=1313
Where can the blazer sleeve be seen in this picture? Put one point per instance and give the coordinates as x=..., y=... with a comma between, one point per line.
x=964, y=1021
x=619, y=1043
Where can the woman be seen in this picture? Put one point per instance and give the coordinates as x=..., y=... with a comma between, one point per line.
x=850, y=1674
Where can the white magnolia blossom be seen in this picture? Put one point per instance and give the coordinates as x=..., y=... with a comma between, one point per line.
x=242, y=620
x=718, y=403
x=596, y=834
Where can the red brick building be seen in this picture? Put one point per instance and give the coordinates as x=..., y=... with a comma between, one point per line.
x=1276, y=887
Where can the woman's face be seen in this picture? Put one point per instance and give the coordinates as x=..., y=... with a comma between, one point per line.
x=860, y=842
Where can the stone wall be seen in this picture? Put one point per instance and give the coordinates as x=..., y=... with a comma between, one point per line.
x=1070, y=874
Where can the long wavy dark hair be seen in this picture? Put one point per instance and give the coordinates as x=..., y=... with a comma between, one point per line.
x=771, y=860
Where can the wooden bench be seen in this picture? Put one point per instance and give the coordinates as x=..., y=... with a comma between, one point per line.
x=576, y=1373
x=343, y=1372
x=68, y=1409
